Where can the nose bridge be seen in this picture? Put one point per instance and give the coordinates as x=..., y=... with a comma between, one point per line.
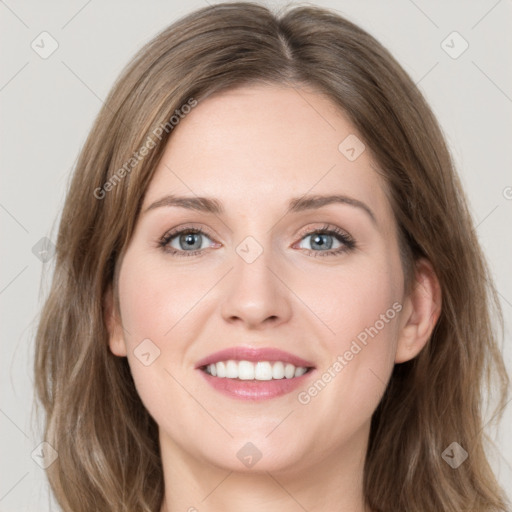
x=253, y=263
x=255, y=293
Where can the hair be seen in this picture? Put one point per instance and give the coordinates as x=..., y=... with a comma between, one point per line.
x=107, y=442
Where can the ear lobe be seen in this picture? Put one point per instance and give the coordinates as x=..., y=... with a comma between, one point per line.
x=113, y=323
x=421, y=312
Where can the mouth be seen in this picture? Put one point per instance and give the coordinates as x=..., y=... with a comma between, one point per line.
x=260, y=370
x=248, y=373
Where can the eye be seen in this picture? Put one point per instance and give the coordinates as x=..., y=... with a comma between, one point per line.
x=185, y=241
x=189, y=241
x=322, y=239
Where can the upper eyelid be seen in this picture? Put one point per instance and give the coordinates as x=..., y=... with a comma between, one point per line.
x=180, y=229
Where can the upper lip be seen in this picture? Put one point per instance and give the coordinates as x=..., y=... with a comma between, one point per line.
x=245, y=353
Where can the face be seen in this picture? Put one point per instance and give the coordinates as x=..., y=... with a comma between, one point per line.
x=323, y=284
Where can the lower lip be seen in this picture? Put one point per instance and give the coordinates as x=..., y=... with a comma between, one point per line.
x=255, y=389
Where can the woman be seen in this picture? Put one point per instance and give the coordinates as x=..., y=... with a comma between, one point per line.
x=268, y=291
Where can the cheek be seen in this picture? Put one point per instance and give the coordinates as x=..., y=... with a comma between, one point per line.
x=157, y=298
x=361, y=306
x=352, y=378
x=355, y=300
x=159, y=308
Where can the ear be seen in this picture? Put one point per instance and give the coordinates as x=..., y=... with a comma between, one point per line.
x=421, y=312
x=113, y=323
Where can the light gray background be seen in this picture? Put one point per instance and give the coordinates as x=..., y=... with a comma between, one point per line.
x=48, y=106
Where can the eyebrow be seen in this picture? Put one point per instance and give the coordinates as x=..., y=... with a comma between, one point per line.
x=295, y=205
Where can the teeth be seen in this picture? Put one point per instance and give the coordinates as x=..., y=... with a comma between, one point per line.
x=262, y=370
x=245, y=370
x=220, y=369
x=300, y=371
x=278, y=370
x=232, y=370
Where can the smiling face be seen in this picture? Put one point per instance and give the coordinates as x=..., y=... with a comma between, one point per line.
x=256, y=276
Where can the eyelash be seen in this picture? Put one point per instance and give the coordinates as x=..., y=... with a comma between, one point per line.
x=347, y=240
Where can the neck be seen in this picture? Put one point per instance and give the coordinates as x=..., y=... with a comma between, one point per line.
x=334, y=484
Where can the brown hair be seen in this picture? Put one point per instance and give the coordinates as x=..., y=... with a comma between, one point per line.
x=106, y=440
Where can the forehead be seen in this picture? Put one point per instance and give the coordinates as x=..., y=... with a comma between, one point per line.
x=266, y=143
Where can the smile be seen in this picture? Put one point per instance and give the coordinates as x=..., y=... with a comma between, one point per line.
x=260, y=370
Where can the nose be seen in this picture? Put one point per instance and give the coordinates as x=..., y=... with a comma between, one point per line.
x=257, y=295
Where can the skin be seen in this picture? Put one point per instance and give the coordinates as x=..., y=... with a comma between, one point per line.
x=254, y=148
